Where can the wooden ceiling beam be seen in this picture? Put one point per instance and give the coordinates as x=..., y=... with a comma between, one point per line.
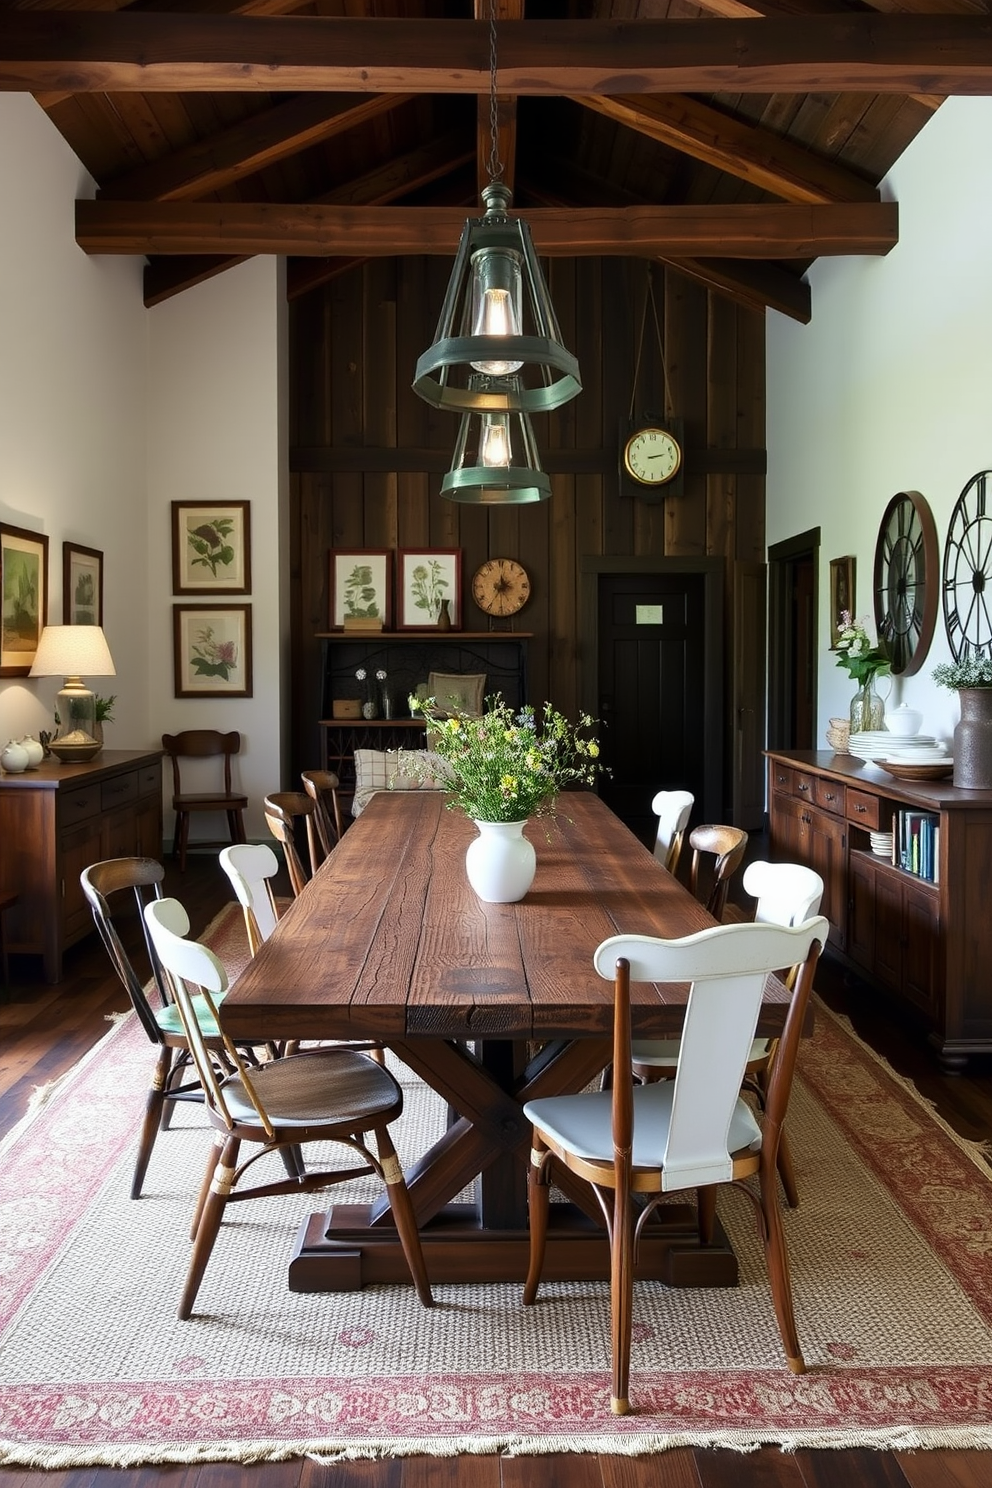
x=744, y=150
x=257, y=142
x=749, y=231
x=80, y=51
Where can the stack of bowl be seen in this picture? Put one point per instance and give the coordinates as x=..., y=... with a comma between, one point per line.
x=881, y=844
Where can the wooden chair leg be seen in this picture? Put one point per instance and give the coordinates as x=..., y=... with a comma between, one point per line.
x=777, y=1261
x=537, y=1202
x=216, y=1148
x=787, y=1172
x=210, y=1221
x=406, y=1220
x=154, y=1106
x=621, y=1298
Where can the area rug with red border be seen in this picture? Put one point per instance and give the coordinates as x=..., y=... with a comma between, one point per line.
x=891, y=1251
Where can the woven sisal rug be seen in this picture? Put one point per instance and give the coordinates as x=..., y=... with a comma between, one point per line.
x=891, y=1253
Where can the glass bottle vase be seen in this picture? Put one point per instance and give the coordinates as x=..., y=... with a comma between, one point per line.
x=867, y=708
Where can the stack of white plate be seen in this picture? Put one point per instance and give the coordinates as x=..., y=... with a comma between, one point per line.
x=881, y=844
x=879, y=744
x=928, y=754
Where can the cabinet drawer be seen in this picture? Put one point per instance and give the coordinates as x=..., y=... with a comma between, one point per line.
x=803, y=786
x=119, y=791
x=150, y=780
x=829, y=796
x=781, y=779
x=863, y=809
x=78, y=805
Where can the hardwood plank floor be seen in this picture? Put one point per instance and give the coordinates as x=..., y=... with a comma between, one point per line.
x=44, y=1030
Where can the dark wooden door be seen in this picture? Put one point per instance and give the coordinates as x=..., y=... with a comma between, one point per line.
x=652, y=691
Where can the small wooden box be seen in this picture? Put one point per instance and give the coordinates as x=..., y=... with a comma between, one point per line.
x=346, y=708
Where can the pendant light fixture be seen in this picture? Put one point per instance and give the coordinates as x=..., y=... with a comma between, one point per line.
x=497, y=355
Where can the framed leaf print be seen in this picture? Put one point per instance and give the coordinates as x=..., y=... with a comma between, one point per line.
x=427, y=578
x=212, y=650
x=23, y=597
x=211, y=547
x=82, y=585
x=361, y=587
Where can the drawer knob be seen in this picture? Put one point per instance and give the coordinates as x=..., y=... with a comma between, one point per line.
x=830, y=796
x=862, y=809
x=804, y=788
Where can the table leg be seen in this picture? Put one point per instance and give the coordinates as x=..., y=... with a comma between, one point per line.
x=354, y=1245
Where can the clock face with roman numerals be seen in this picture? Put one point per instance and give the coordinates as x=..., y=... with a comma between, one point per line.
x=968, y=570
x=905, y=581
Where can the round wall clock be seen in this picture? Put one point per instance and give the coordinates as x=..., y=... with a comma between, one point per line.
x=652, y=456
x=500, y=586
x=905, y=581
x=968, y=571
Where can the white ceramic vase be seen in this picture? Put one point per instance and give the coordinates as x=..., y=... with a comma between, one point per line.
x=14, y=757
x=35, y=751
x=501, y=862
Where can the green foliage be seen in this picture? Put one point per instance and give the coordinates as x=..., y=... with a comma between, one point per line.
x=503, y=766
x=359, y=593
x=972, y=671
x=105, y=708
x=209, y=543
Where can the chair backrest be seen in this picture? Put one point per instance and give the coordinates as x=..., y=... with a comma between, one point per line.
x=727, y=966
x=201, y=744
x=322, y=787
x=672, y=808
x=282, y=811
x=250, y=866
x=727, y=846
x=786, y=893
x=99, y=882
x=189, y=964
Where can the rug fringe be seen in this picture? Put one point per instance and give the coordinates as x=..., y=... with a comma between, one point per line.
x=980, y=1151
x=611, y=1444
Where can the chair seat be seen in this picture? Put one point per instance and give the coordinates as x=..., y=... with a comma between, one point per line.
x=664, y=1052
x=331, y=1087
x=171, y=1023
x=584, y=1125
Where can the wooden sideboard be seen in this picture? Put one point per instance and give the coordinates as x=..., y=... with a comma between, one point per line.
x=57, y=820
x=926, y=946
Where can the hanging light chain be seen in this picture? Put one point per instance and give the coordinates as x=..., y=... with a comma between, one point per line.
x=494, y=165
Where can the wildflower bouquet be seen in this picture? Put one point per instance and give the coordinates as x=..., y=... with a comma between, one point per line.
x=856, y=654
x=970, y=671
x=502, y=766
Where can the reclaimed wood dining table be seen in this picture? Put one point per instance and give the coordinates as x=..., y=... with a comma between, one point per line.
x=492, y=1005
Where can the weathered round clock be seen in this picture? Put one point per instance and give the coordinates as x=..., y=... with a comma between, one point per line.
x=905, y=581
x=652, y=456
x=967, y=588
x=500, y=586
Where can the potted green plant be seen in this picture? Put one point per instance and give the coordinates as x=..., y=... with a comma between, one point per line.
x=104, y=710
x=971, y=679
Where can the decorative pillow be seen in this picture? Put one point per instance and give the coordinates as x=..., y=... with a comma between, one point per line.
x=457, y=692
x=394, y=769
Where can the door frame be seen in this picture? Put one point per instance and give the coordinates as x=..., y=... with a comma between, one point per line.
x=711, y=570
x=782, y=678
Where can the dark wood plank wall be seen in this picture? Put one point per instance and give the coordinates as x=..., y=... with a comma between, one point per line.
x=354, y=344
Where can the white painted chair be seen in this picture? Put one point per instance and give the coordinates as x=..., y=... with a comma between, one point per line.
x=691, y=1132
x=333, y=1094
x=673, y=809
x=784, y=894
x=250, y=866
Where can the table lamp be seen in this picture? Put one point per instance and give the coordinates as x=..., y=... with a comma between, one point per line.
x=68, y=651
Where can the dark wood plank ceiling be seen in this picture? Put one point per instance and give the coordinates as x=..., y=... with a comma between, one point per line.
x=737, y=140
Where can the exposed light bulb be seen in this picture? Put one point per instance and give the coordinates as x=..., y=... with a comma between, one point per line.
x=494, y=445
x=496, y=303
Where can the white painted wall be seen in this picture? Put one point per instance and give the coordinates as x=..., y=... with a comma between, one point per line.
x=216, y=431
x=108, y=413
x=889, y=388
x=72, y=409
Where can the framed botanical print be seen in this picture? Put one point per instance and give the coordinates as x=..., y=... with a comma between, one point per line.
x=212, y=650
x=361, y=587
x=211, y=547
x=82, y=585
x=841, y=594
x=428, y=579
x=23, y=597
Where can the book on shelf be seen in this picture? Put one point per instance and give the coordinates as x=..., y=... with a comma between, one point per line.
x=916, y=843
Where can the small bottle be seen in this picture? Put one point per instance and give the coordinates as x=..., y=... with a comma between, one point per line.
x=444, y=616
